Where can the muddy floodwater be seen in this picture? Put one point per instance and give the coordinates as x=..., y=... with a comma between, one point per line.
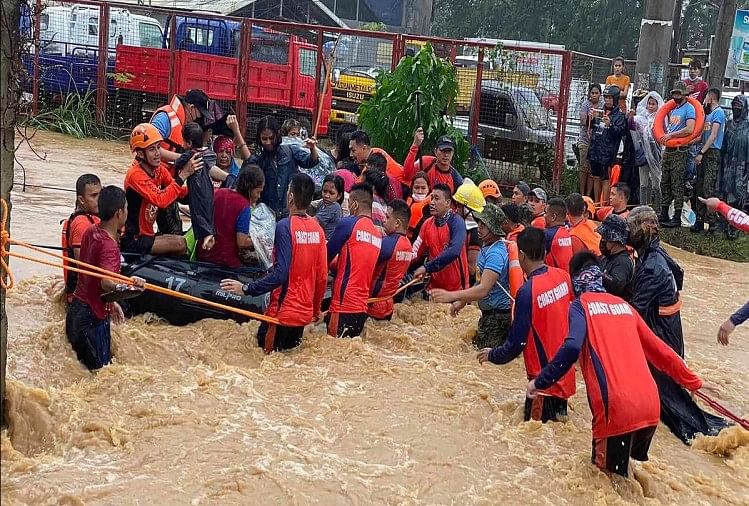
x=404, y=415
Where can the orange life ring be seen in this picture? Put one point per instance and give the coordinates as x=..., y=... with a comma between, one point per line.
x=659, y=125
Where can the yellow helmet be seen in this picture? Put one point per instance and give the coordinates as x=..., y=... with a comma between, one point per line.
x=470, y=196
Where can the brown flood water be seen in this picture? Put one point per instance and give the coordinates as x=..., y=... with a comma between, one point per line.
x=198, y=415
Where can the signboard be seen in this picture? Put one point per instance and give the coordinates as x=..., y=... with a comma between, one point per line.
x=738, y=52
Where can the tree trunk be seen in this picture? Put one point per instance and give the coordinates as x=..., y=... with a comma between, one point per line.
x=721, y=43
x=654, y=48
x=9, y=62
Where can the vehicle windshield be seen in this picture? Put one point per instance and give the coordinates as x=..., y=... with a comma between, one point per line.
x=362, y=54
x=534, y=110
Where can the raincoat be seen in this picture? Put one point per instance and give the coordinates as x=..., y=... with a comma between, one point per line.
x=658, y=279
x=732, y=178
x=642, y=135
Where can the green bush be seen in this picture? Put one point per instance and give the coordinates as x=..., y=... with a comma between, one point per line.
x=390, y=117
x=75, y=116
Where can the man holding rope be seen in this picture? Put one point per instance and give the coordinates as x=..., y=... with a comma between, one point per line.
x=299, y=273
x=88, y=322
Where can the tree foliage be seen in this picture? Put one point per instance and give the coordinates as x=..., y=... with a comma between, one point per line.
x=390, y=115
x=601, y=27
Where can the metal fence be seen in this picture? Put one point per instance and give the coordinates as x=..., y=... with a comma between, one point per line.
x=516, y=104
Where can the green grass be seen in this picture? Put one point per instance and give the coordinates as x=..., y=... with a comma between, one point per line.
x=75, y=116
x=714, y=245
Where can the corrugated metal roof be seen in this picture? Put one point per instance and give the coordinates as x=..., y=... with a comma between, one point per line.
x=224, y=7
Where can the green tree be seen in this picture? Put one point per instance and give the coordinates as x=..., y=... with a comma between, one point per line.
x=390, y=115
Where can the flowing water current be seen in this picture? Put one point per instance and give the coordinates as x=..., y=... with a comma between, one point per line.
x=404, y=415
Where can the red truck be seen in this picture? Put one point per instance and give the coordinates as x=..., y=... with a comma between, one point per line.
x=281, y=78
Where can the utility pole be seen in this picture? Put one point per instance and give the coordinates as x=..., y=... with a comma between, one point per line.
x=654, y=48
x=721, y=43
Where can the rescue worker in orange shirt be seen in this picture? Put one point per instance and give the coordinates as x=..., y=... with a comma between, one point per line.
x=616, y=350
x=558, y=241
x=442, y=241
x=537, y=200
x=360, y=148
x=618, y=198
x=86, y=214
x=170, y=118
x=297, y=279
x=438, y=168
x=149, y=187
x=582, y=230
x=356, y=243
x=393, y=262
x=539, y=327
x=512, y=226
x=469, y=200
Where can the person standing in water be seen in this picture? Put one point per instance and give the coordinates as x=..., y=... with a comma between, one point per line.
x=615, y=348
x=356, y=244
x=89, y=318
x=86, y=214
x=298, y=276
x=655, y=295
x=539, y=328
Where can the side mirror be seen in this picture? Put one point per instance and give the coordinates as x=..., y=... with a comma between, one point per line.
x=511, y=121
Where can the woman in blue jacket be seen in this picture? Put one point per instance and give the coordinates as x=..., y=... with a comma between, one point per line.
x=279, y=162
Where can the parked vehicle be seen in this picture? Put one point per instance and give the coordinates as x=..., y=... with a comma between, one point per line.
x=69, y=44
x=281, y=78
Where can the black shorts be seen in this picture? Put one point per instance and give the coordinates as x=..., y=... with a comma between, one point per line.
x=612, y=454
x=139, y=244
x=546, y=408
x=278, y=337
x=345, y=324
x=599, y=170
x=90, y=337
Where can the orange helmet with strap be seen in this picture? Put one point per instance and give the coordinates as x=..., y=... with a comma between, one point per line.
x=489, y=188
x=143, y=136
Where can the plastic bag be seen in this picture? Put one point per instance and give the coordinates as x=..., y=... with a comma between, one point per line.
x=325, y=166
x=263, y=233
x=688, y=216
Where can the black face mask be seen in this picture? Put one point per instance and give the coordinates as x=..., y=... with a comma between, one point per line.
x=679, y=100
x=605, y=251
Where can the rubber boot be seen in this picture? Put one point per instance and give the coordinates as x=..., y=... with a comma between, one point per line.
x=673, y=222
x=698, y=226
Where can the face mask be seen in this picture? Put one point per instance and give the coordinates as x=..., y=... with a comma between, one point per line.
x=418, y=198
x=679, y=100
x=604, y=249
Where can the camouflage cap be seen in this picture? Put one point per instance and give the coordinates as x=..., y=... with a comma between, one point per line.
x=493, y=217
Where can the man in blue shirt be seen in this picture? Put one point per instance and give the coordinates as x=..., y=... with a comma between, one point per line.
x=708, y=159
x=681, y=121
x=493, y=289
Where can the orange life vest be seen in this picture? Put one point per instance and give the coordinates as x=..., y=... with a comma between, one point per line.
x=514, y=271
x=176, y=112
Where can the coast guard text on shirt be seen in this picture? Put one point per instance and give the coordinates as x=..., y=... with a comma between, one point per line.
x=303, y=237
x=364, y=236
x=553, y=295
x=595, y=308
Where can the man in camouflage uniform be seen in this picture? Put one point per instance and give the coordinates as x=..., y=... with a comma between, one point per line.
x=708, y=159
x=492, y=289
x=680, y=123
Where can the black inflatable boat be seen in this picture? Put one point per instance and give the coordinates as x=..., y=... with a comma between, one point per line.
x=198, y=279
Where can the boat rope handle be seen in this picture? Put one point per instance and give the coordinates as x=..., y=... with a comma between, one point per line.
x=91, y=270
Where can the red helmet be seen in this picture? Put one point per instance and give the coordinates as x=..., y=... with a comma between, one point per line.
x=143, y=136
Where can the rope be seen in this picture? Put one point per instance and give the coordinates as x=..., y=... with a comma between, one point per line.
x=399, y=290
x=92, y=270
x=720, y=409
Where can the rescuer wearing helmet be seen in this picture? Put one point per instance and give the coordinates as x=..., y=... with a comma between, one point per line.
x=150, y=187
x=608, y=128
x=490, y=189
x=469, y=200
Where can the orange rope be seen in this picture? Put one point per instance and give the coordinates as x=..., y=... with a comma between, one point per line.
x=399, y=290
x=98, y=272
